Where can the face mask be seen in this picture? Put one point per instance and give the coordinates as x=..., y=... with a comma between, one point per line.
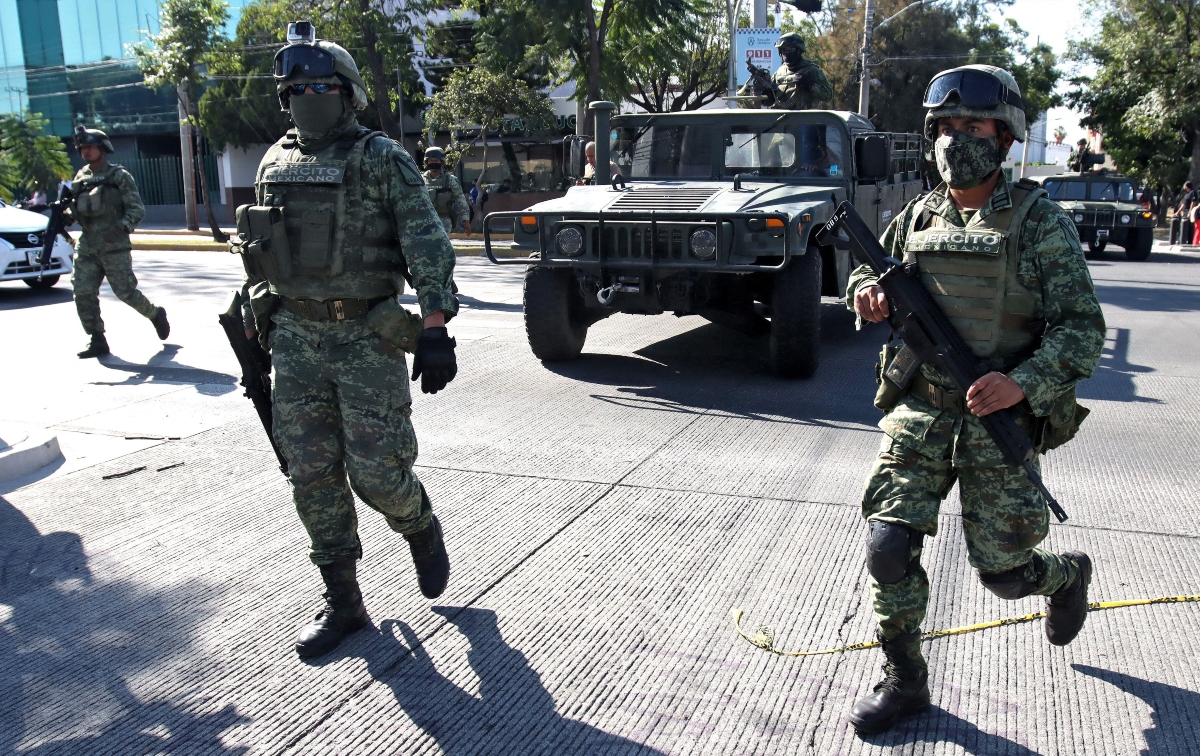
x=965, y=161
x=317, y=113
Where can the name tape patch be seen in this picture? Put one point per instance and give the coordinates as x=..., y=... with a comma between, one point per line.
x=957, y=240
x=304, y=173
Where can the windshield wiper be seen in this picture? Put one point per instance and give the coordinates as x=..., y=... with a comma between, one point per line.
x=764, y=131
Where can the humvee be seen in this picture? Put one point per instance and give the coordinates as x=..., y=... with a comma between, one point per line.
x=710, y=213
x=1105, y=209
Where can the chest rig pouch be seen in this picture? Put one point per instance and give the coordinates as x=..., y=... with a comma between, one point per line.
x=440, y=194
x=972, y=273
x=95, y=199
x=308, y=218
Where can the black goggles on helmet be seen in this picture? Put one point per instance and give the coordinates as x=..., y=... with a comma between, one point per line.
x=305, y=60
x=975, y=89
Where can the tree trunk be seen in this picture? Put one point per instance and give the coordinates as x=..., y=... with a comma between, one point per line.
x=198, y=156
x=383, y=105
x=514, y=165
x=1195, y=172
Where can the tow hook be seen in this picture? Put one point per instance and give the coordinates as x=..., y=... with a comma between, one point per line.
x=624, y=284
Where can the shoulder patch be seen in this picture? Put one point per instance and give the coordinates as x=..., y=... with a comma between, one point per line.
x=1068, y=227
x=408, y=169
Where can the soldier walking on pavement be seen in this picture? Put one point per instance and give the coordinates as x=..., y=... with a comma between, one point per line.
x=341, y=218
x=802, y=82
x=445, y=191
x=105, y=202
x=1021, y=296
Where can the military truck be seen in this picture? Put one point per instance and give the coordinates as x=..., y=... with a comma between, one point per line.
x=710, y=213
x=1105, y=209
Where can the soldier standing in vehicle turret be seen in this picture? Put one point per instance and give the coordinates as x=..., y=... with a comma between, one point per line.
x=106, y=203
x=801, y=82
x=445, y=191
x=341, y=218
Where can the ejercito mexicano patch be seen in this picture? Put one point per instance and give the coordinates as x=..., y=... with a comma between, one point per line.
x=983, y=242
x=303, y=173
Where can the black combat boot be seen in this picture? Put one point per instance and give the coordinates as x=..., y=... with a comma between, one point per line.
x=343, y=613
x=161, y=326
x=904, y=689
x=1067, y=609
x=98, y=347
x=430, y=558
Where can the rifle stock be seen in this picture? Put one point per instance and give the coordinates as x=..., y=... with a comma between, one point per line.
x=256, y=368
x=916, y=316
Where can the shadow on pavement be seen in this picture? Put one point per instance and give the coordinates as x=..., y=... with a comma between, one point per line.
x=1150, y=298
x=70, y=643
x=21, y=296
x=513, y=712
x=1174, y=711
x=937, y=725
x=1113, y=379
x=479, y=304
x=162, y=367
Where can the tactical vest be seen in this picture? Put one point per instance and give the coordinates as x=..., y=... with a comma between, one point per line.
x=972, y=273
x=441, y=194
x=309, y=219
x=98, y=196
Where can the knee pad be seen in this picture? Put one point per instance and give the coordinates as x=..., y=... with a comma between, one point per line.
x=1016, y=583
x=889, y=551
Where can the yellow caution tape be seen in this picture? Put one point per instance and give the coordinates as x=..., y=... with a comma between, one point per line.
x=764, y=637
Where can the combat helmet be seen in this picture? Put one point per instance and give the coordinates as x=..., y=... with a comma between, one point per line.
x=791, y=39
x=435, y=153
x=84, y=136
x=976, y=91
x=308, y=60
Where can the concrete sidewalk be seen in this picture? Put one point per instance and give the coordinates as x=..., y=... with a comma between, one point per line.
x=602, y=518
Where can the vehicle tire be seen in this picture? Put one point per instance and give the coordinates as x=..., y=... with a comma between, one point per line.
x=45, y=283
x=1139, y=247
x=796, y=316
x=1096, y=248
x=554, y=320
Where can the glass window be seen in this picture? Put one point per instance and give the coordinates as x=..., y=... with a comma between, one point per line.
x=1066, y=190
x=1112, y=191
x=666, y=151
x=811, y=150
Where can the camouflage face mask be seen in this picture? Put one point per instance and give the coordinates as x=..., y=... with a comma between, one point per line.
x=965, y=161
x=317, y=113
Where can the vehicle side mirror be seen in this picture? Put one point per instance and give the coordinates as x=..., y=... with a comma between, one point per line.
x=873, y=154
x=573, y=156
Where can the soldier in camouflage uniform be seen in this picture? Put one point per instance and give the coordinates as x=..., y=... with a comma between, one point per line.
x=445, y=192
x=105, y=202
x=802, y=82
x=1006, y=266
x=341, y=218
x=1079, y=158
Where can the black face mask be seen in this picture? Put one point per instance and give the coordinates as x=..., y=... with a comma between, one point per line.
x=433, y=167
x=792, y=57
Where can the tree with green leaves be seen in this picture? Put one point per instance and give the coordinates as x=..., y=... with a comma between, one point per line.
x=1145, y=95
x=29, y=158
x=472, y=104
x=189, y=38
x=684, y=66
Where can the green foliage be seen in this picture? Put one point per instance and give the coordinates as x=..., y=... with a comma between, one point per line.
x=1145, y=96
x=189, y=36
x=683, y=66
x=29, y=158
x=474, y=101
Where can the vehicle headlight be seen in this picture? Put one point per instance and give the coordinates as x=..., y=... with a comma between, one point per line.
x=1078, y=218
x=704, y=244
x=1124, y=218
x=570, y=241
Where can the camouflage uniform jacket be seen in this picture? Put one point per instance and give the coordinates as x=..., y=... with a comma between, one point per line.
x=391, y=192
x=122, y=209
x=802, y=89
x=1051, y=266
x=1076, y=160
x=446, y=193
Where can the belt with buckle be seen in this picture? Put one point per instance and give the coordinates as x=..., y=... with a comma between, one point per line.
x=941, y=398
x=330, y=309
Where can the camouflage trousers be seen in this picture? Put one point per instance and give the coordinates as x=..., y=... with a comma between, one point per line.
x=448, y=224
x=90, y=272
x=341, y=418
x=1004, y=518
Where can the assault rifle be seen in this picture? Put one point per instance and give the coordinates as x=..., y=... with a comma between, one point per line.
x=762, y=77
x=256, y=368
x=926, y=330
x=53, y=230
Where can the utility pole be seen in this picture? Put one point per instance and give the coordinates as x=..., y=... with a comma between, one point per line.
x=732, y=9
x=864, y=86
x=189, y=165
x=400, y=105
x=758, y=18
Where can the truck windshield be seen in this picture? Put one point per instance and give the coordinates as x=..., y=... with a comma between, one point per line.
x=1066, y=190
x=709, y=151
x=1112, y=191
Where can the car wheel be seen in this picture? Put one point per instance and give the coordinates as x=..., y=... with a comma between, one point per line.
x=1141, y=244
x=1096, y=248
x=554, y=321
x=45, y=283
x=796, y=316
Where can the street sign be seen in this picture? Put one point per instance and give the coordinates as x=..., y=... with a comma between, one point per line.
x=758, y=45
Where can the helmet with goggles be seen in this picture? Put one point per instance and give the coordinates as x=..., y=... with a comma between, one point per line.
x=308, y=60
x=791, y=39
x=435, y=153
x=84, y=137
x=975, y=91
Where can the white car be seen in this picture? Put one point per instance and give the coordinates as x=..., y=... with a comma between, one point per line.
x=21, y=234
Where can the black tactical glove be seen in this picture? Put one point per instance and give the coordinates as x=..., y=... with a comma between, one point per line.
x=434, y=360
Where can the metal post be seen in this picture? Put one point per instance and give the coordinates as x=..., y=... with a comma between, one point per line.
x=864, y=87
x=1025, y=152
x=189, y=165
x=400, y=105
x=758, y=19
x=733, y=8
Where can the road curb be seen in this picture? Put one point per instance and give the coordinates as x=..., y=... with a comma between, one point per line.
x=175, y=244
x=28, y=456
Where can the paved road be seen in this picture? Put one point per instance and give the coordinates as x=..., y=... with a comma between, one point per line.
x=602, y=518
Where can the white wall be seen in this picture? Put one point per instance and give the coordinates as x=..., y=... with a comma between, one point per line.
x=239, y=166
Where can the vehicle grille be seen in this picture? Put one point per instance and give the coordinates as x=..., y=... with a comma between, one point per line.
x=23, y=267
x=664, y=198
x=637, y=242
x=20, y=239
